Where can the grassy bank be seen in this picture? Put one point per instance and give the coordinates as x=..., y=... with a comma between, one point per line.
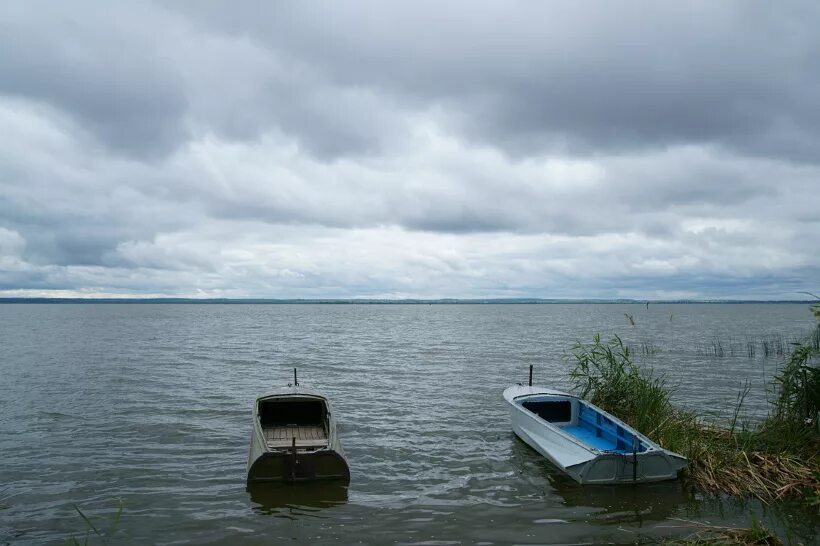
x=778, y=458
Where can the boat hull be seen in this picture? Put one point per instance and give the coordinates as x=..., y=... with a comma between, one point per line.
x=271, y=461
x=582, y=462
x=288, y=467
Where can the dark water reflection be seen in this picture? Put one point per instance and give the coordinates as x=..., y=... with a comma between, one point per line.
x=294, y=500
x=617, y=504
x=151, y=404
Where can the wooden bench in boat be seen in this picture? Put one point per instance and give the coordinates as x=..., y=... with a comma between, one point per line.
x=307, y=436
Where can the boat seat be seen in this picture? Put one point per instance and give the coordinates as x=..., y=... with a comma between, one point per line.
x=306, y=436
x=597, y=430
x=590, y=438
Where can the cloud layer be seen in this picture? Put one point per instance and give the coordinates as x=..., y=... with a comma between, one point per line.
x=477, y=149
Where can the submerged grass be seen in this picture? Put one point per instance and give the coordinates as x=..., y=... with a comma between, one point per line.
x=779, y=458
x=713, y=535
x=103, y=536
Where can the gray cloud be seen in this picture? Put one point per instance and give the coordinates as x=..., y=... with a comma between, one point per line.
x=479, y=149
x=528, y=78
x=559, y=75
x=98, y=66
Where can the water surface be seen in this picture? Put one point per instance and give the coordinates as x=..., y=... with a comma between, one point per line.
x=151, y=404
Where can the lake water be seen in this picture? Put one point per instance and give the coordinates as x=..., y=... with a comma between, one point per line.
x=151, y=405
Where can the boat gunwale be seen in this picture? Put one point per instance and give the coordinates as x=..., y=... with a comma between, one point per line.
x=651, y=446
x=292, y=392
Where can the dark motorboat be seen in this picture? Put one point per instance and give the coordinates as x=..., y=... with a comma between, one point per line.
x=294, y=438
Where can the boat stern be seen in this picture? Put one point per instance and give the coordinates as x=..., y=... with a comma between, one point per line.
x=651, y=466
x=278, y=466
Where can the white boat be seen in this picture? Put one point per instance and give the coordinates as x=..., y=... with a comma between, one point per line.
x=294, y=438
x=584, y=441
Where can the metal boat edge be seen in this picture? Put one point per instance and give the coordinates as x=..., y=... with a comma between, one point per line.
x=582, y=461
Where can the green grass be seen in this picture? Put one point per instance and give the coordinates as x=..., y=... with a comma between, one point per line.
x=798, y=386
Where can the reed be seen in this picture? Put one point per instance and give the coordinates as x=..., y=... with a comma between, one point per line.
x=645, y=349
x=606, y=374
x=775, y=460
x=103, y=536
x=766, y=346
x=718, y=348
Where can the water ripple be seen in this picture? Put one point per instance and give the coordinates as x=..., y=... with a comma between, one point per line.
x=151, y=404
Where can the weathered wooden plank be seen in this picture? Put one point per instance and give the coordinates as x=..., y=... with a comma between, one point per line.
x=306, y=436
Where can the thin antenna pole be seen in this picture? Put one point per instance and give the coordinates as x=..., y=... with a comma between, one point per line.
x=530, y=375
x=295, y=381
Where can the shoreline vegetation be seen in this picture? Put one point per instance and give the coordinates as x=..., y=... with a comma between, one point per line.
x=776, y=459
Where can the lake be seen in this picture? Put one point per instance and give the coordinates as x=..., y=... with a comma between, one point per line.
x=151, y=404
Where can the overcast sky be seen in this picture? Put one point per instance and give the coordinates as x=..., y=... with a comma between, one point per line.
x=424, y=149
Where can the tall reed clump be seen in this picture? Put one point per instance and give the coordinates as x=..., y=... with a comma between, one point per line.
x=606, y=375
x=769, y=462
x=794, y=424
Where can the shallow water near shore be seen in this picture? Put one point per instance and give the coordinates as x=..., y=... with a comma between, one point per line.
x=151, y=404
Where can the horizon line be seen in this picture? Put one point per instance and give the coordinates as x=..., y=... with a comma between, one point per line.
x=386, y=301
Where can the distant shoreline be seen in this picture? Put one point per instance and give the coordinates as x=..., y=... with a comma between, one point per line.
x=330, y=301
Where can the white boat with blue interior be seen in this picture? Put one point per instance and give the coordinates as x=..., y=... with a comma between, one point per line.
x=584, y=441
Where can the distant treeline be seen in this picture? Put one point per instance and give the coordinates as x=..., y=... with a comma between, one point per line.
x=446, y=301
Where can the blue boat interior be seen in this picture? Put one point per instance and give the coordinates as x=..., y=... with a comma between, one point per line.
x=586, y=424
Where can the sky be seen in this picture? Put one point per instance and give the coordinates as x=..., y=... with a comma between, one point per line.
x=467, y=149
